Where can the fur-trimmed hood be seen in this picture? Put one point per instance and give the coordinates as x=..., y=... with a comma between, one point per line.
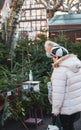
x=69, y=61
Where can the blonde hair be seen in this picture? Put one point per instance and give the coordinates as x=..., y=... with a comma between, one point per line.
x=50, y=44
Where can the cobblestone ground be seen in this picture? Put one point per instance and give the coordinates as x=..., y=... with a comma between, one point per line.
x=42, y=126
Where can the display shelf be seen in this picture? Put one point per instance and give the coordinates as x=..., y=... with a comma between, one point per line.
x=31, y=84
x=33, y=121
x=36, y=119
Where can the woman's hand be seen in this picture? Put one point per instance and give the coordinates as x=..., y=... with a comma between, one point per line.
x=56, y=114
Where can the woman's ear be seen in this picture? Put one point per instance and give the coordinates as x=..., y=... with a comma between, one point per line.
x=56, y=57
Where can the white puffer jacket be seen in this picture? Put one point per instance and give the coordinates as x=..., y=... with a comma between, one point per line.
x=66, y=85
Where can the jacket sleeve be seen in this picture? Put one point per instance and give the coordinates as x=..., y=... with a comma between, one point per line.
x=58, y=80
x=49, y=92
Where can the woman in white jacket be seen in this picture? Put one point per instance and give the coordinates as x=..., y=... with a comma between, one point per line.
x=48, y=46
x=66, y=86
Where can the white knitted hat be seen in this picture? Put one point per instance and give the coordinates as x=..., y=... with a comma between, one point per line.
x=59, y=51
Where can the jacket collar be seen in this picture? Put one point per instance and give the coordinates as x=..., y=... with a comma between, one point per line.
x=60, y=60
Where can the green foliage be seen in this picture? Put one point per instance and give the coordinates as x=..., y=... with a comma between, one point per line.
x=75, y=48
x=35, y=98
x=17, y=110
x=28, y=55
x=5, y=113
x=33, y=57
x=44, y=91
x=3, y=54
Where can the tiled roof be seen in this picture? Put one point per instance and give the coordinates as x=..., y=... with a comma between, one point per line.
x=65, y=19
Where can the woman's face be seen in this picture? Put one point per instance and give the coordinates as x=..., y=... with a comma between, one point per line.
x=48, y=49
